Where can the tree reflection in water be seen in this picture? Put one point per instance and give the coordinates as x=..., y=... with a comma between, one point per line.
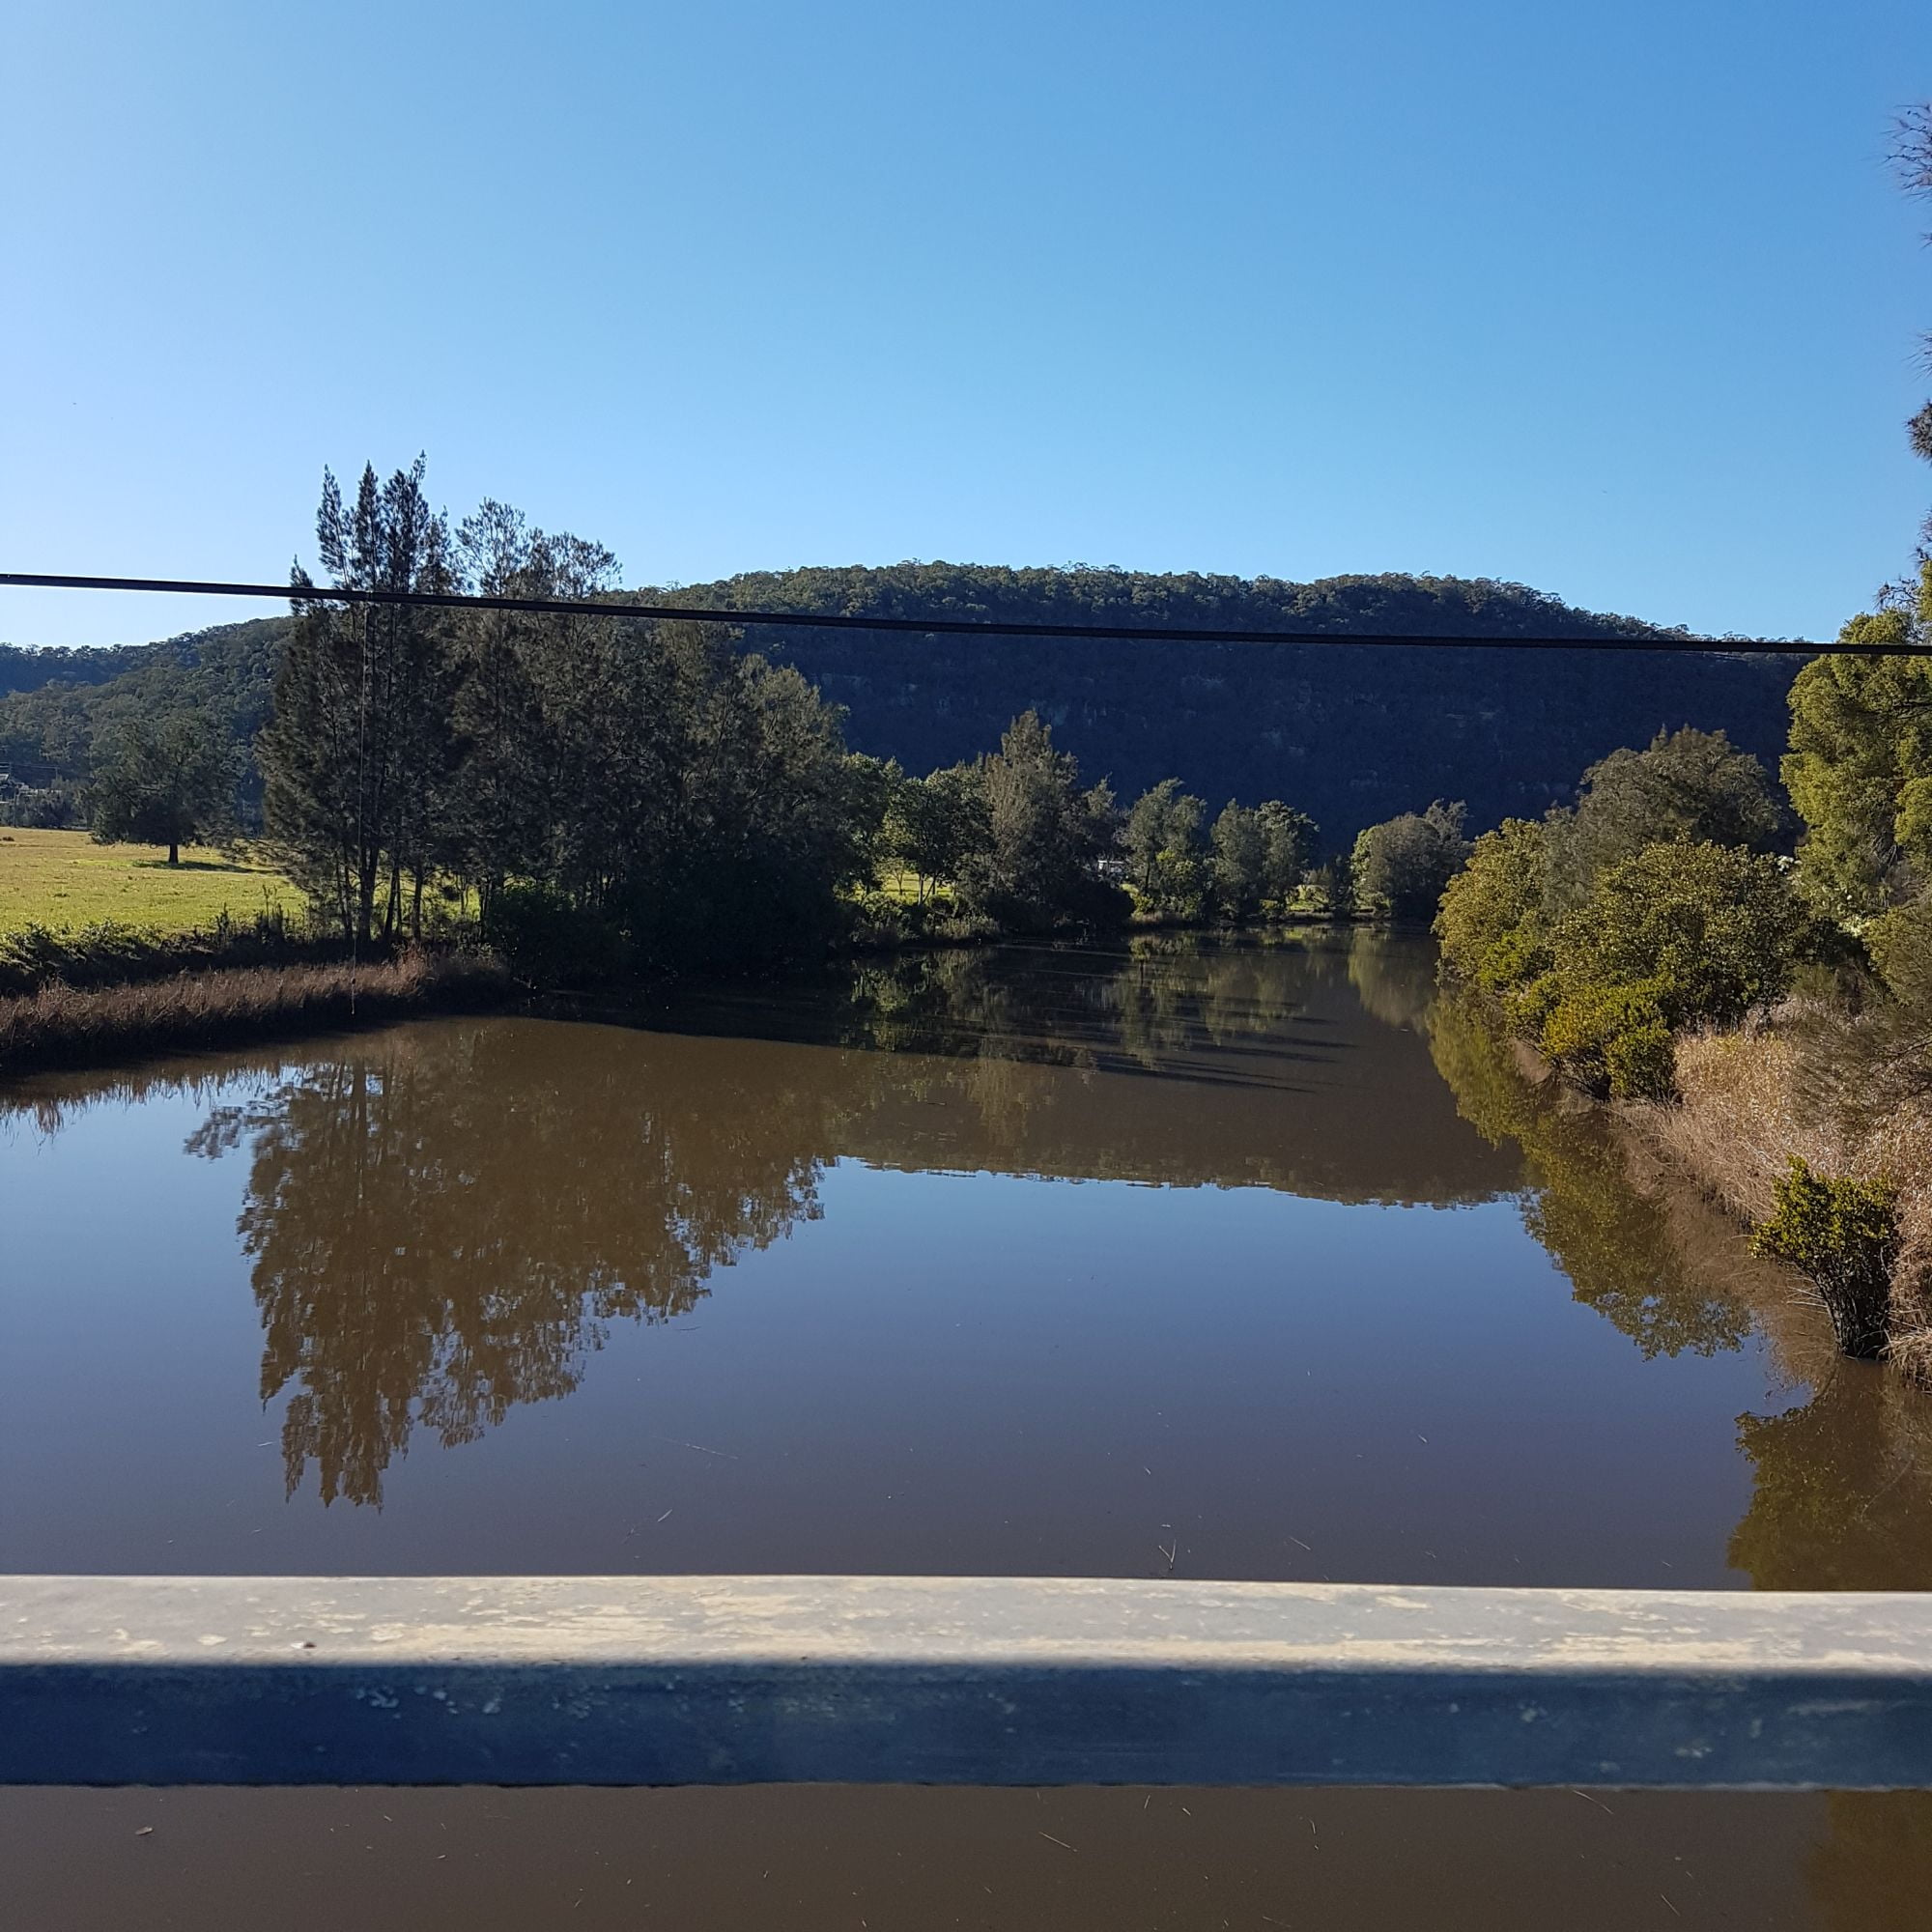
x=443, y=1220
x=1840, y=1496
x=1623, y=1255
x=1841, y=1482
x=445, y=1225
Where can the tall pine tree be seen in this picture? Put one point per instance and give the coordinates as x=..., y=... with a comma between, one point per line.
x=358, y=757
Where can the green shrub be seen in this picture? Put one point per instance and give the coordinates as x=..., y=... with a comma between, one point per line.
x=1900, y=945
x=1526, y=1008
x=1490, y=924
x=1641, y=1063
x=1512, y=960
x=1843, y=1234
x=1589, y=1019
x=1713, y=930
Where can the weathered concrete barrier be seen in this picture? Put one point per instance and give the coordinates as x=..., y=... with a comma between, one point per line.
x=728, y=1680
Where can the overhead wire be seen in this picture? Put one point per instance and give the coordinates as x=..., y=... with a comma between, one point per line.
x=937, y=624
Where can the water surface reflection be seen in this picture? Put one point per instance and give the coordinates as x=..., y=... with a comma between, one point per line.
x=1254, y=1291
x=1034, y=1261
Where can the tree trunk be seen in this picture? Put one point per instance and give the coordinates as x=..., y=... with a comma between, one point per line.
x=174, y=853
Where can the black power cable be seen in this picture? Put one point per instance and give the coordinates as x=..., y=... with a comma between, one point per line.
x=819, y=620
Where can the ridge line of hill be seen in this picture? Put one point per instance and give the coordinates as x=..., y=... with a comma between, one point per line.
x=1349, y=738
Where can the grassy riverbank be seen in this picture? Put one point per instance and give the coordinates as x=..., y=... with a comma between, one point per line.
x=108, y=954
x=1764, y=1019
x=66, y=1026
x=1747, y=1107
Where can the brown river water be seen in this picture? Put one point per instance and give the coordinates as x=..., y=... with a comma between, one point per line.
x=1247, y=1259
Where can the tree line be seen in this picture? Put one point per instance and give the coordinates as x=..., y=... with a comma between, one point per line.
x=612, y=792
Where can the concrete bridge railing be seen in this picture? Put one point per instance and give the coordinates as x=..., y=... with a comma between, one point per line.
x=728, y=1680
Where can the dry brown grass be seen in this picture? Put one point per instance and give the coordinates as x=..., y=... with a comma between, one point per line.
x=64, y=1026
x=1741, y=1119
x=1736, y=1126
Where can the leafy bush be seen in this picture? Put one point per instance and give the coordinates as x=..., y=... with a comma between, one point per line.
x=1514, y=959
x=1641, y=1063
x=1858, y=761
x=1597, y=1033
x=1843, y=1234
x=1490, y=924
x=1526, y=1008
x=1900, y=945
x=1713, y=929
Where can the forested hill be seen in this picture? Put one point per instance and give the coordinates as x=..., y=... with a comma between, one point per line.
x=53, y=703
x=1348, y=736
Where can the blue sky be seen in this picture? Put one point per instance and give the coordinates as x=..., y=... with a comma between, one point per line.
x=1616, y=300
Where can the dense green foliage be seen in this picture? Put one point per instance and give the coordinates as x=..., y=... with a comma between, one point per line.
x=1492, y=922
x=1604, y=929
x=1689, y=786
x=1261, y=857
x=1899, y=944
x=1860, y=768
x=1843, y=1232
x=1251, y=862
x=360, y=753
x=932, y=825
x=1612, y=1037
x=23, y=668
x=1715, y=928
x=690, y=805
x=1402, y=867
x=166, y=780
x=1166, y=860
x=1044, y=839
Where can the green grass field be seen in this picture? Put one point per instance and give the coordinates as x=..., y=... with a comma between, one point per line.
x=64, y=879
